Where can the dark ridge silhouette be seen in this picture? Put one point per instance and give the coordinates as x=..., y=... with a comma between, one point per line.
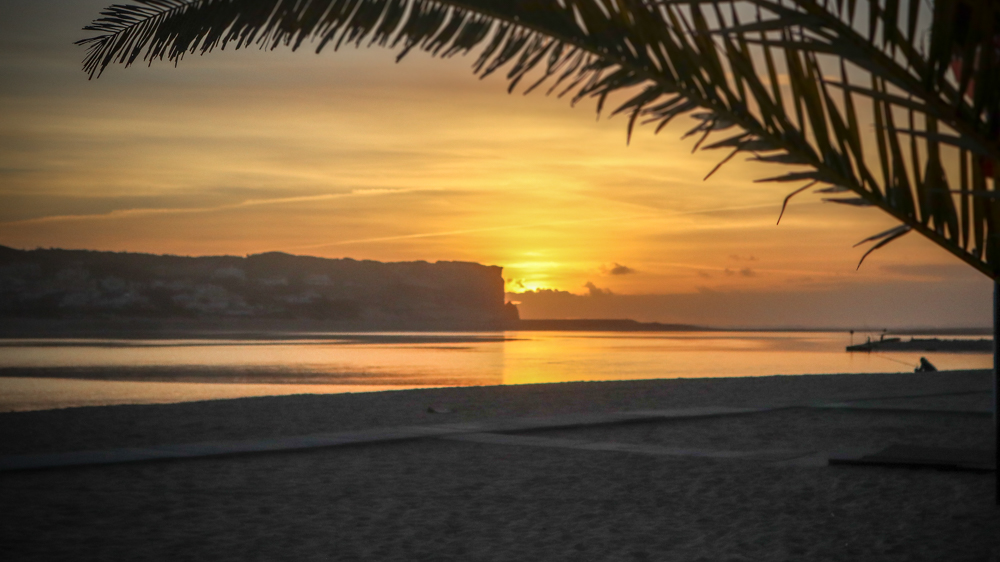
x=599, y=325
x=44, y=291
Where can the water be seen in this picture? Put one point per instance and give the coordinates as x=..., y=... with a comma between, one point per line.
x=55, y=373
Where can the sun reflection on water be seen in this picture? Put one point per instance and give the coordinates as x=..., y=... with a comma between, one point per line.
x=37, y=374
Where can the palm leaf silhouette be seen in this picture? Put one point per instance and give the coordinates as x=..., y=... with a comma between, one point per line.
x=791, y=82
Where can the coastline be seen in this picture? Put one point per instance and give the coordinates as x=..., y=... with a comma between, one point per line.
x=100, y=427
x=243, y=329
x=928, y=345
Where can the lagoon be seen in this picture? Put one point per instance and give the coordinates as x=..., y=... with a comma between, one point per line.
x=50, y=373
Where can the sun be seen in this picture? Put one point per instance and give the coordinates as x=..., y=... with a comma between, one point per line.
x=535, y=286
x=530, y=275
x=519, y=285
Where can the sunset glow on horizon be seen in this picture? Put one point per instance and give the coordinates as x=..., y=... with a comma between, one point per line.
x=349, y=154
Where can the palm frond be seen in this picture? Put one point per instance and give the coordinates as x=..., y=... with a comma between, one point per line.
x=799, y=79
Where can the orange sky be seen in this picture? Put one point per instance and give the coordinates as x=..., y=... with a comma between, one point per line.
x=348, y=154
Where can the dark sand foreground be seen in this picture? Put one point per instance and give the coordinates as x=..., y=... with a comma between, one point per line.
x=448, y=500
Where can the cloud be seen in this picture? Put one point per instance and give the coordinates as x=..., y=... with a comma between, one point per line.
x=519, y=283
x=505, y=227
x=617, y=269
x=855, y=305
x=930, y=271
x=596, y=291
x=118, y=213
x=737, y=257
x=745, y=272
x=547, y=293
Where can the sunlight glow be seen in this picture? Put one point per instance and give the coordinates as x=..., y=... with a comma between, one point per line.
x=349, y=154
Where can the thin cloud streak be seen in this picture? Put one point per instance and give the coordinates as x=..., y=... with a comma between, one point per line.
x=523, y=226
x=122, y=213
x=756, y=269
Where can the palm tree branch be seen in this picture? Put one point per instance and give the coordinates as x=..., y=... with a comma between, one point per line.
x=608, y=48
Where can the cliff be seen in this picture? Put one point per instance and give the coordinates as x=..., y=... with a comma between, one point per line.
x=43, y=290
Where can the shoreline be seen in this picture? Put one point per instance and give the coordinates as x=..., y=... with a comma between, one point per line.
x=140, y=330
x=496, y=500
x=48, y=388
x=96, y=427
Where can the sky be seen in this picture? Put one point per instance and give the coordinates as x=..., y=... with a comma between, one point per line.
x=349, y=154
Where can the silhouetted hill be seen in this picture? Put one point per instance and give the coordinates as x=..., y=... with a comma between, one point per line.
x=599, y=325
x=78, y=289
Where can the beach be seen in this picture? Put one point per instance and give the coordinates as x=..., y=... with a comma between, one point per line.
x=441, y=499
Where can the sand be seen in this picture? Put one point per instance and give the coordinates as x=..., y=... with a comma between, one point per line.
x=447, y=500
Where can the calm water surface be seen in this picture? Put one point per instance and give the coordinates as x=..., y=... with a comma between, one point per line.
x=77, y=372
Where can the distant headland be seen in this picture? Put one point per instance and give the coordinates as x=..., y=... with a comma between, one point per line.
x=599, y=325
x=74, y=293
x=54, y=292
